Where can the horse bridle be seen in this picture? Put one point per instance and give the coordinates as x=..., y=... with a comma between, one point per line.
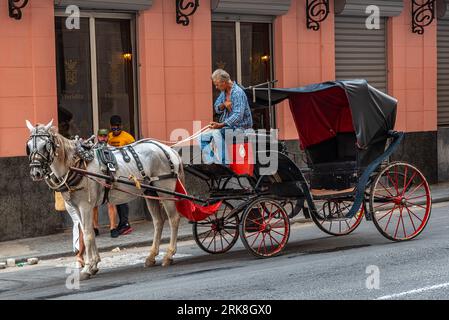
x=66, y=183
x=50, y=147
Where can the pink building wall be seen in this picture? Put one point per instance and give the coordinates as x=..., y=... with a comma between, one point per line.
x=412, y=66
x=175, y=69
x=302, y=56
x=27, y=73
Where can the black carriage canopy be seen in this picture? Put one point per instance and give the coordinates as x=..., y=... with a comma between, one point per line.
x=333, y=117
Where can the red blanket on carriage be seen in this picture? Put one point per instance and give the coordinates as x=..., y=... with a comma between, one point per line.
x=193, y=211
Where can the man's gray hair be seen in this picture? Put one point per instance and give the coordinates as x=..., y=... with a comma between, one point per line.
x=221, y=75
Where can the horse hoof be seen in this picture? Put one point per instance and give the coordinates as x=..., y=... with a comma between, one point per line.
x=167, y=262
x=84, y=276
x=94, y=271
x=150, y=262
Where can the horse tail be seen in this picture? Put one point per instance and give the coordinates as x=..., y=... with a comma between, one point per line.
x=181, y=173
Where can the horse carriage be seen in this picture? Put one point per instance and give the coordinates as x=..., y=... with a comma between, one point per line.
x=346, y=135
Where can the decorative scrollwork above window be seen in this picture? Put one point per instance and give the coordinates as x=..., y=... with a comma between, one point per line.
x=184, y=9
x=422, y=15
x=317, y=12
x=15, y=8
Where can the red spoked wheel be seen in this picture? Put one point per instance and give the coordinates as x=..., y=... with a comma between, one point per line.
x=331, y=217
x=217, y=233
x=400, y=202
x=264, y=228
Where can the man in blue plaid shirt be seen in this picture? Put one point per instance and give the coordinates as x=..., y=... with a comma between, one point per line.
x=235, y=115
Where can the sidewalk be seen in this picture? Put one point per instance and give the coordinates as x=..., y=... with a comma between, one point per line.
x=60, y=245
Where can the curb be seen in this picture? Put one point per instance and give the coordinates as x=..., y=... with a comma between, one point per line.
x=440, y=199
x=165, y=240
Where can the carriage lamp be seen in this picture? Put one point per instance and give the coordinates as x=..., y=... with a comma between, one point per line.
x=15, y=8
x=128, y=56
x=184, y=9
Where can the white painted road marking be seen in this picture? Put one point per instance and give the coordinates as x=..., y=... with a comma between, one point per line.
x=430, y=288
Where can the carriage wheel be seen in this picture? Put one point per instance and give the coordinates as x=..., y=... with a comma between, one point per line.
x=400, y=202
x=217, y=233
x=265, y=228
x=331, y=217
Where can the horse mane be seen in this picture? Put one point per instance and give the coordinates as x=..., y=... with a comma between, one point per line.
x=65, y=146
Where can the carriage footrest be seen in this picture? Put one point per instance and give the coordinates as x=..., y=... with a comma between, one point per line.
x=331, y=194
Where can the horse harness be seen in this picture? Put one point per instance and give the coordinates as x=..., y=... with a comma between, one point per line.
x=107, y=158
x=84, y=153
x=73, y=179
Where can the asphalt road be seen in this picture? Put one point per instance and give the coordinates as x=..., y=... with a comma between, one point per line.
x=313, y=266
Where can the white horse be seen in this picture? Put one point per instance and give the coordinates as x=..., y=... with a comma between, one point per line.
x=51, y=155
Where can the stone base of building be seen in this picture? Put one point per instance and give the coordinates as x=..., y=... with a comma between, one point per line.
x=26, y=207
x=443, y=154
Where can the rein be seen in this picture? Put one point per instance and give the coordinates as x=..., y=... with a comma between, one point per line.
x=176, y=144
